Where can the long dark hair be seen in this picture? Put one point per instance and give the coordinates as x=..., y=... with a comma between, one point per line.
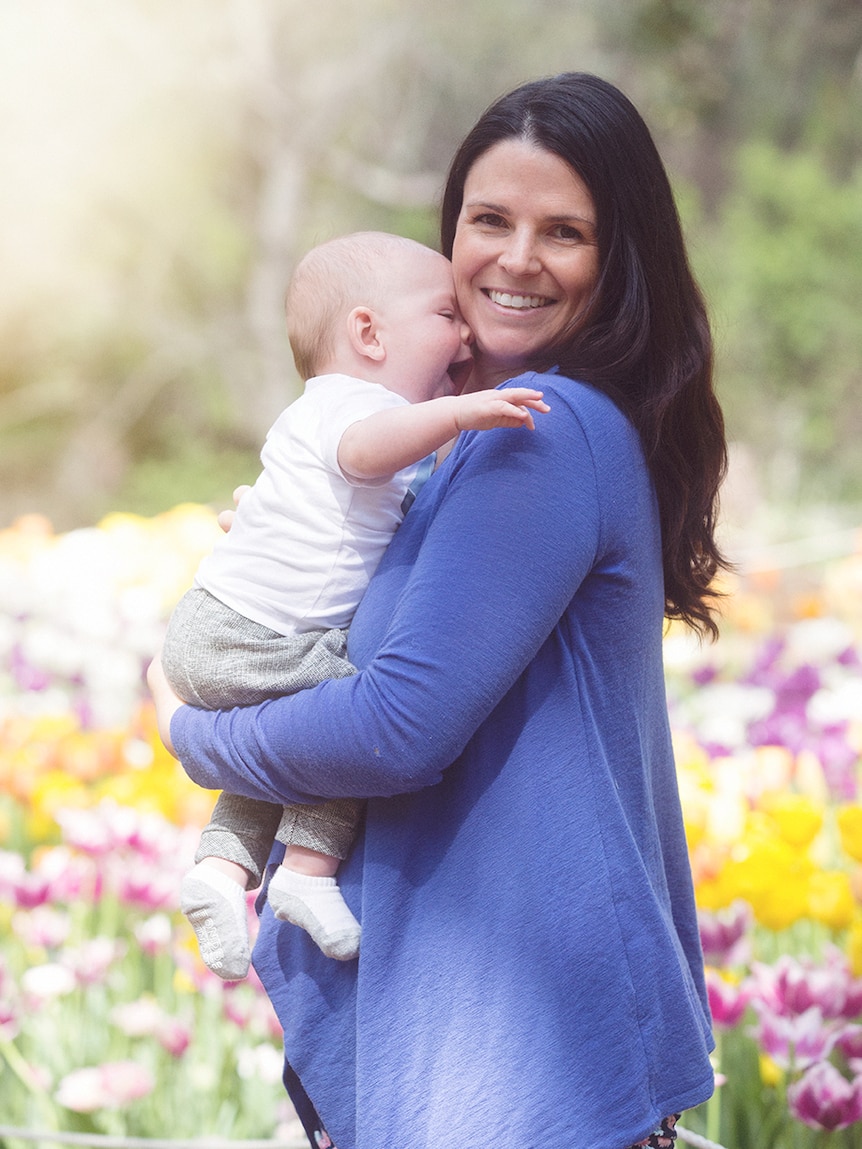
x=646, y=341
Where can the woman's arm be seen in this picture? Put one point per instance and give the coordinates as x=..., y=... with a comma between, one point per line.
x=516, y=531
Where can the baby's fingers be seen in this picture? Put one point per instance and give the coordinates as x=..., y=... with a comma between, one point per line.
x=524, y=397
x=516, y=415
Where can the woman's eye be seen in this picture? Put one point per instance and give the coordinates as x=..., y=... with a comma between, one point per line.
x=564, y=231
x=489, y=219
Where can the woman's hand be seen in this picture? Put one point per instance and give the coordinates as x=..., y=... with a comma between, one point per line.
x=166, y=702
x=225, y=518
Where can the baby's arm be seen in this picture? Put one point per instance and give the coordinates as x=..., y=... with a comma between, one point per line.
x=386, y=441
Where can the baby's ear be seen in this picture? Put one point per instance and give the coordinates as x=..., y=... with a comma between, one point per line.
x=364, y=334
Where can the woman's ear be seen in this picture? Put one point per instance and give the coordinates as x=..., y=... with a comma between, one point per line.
x=363, y=332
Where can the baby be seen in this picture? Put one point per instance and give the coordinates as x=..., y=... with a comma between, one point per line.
x=376, y=334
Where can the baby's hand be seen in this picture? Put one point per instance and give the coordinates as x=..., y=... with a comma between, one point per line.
x=225, y=518
x=511, y=407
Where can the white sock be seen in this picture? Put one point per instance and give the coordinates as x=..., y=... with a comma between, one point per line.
x=215, y=907
x=317, y=906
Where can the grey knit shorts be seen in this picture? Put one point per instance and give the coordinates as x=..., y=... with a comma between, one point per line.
x=217, y=659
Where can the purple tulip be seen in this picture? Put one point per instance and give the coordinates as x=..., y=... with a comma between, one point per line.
x=849, y=1043
x=763, y=672
x=791, y=987
x=838, y=759
x=824, y=1099
x=723, y=934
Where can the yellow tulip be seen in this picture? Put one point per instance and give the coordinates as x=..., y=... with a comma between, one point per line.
x=770, y=1073
x=774, y=879
x=831, y=900
x=854, y=948
x=797, y=818
x=849, y=820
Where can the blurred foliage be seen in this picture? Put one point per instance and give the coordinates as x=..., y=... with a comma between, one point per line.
x=171, y=163
x=785, y=273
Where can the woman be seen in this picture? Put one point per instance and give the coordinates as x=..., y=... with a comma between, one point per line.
x=530, y=972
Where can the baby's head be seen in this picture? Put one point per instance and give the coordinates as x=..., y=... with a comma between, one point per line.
x=381, y=307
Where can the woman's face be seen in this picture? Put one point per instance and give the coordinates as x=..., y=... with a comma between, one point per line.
x=525, y=255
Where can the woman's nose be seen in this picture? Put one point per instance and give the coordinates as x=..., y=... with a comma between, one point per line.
x=519, y=255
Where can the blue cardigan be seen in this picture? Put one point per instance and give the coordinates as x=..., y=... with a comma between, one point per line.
x=530, y=973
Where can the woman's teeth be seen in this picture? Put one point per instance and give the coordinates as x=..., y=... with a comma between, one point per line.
x=520, y=302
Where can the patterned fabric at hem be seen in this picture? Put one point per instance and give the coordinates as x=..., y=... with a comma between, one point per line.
x=662, y=1138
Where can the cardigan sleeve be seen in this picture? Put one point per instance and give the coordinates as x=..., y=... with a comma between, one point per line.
x=515, y=531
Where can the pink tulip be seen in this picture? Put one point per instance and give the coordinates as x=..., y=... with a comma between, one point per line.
x=794, y=1042
x=824, y=1099
x=86, y=831
x=148, y=888
x=837, y=960
x=174, y=1036
x=154, y=935
x=91, y=961
x=791, y=987
x=12, y=869
x=109, y=1086
x=140, y=1018
x=42, y=927
x=727, y=1002
x=723, y=934
x=9, y=1020
x=41, y=983
x=253, y=1012
x=71, y=877
x=849, y=1042
x=31, y=890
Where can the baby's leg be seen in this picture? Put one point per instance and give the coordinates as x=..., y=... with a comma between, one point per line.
x=303, y=889
x=231, y=856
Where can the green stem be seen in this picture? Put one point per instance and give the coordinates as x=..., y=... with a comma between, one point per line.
x=20, y=1067
x=713, y=1106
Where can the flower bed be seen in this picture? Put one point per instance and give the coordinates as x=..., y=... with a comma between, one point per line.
x=109, y=1022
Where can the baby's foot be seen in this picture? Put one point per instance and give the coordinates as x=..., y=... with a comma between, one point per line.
x=317, y=906
x=215, y=907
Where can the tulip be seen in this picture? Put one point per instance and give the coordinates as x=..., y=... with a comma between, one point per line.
x=831, y=900
x=724, y=934
x=794, y=1042
x=174, y=1036
x=43, y=927
x=9, y=1020
x=154, y=934
x=792, y=987
x=824, y=1099
x=849, y=820
x=727, y=1001
x=849, y=1042
x=90, y=962
x=31, y=890
x=42, y=982
x=110, y=1086
x=140, y=1018
x=12, y=870
x=261, y=1062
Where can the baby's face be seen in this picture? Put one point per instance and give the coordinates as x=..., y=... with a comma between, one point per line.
x=427, y=342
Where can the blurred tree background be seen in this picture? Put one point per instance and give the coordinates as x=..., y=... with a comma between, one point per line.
x=165, y=164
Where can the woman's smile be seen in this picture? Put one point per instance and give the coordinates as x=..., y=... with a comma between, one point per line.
x=518, y=302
